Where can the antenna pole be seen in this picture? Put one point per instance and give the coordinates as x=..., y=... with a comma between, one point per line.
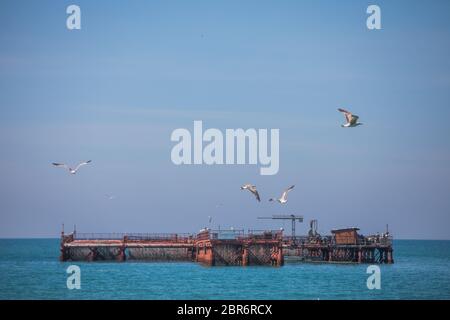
x=293, y=228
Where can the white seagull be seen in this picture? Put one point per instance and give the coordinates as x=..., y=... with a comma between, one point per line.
x=283, y=198
x=252, y=189
x=72, y=171
x=352, y=119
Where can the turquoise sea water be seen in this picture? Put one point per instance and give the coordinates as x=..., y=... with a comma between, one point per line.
x=29, y=269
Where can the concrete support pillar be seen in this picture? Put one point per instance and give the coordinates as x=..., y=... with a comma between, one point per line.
x=92, y=255
x=63, y=255
x=389, y=256
x=245, y=257
x=121, y=256
x=359, y=256
x=280, y=257
x=210, y=256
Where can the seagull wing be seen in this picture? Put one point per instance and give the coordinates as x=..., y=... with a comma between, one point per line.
x=354, y=119
x=256, y=195
x=82, y=164
x=285, y=192
x=62, y=165
x=253, y=190
x=347, y=114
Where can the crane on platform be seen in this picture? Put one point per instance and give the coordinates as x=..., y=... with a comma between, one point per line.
x=291, y=217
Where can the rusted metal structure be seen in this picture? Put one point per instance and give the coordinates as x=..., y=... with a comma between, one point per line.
x=230, y=247
x=292, y=217
x=343, y=246
x=345, y=236
x=212, y=248
x=219, y=248
x=122, y=247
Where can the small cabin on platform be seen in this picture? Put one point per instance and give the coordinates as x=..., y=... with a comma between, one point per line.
x=345, y=236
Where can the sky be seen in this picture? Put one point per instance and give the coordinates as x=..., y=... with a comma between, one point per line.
x=114, y=91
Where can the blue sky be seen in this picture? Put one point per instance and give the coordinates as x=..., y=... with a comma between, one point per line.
x=115, y=90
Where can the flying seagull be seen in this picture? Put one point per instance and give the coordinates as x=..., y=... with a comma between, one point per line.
x=72, y=171
x=110, y=196
x=252, y=189
x=352, y=119
x=283, y=198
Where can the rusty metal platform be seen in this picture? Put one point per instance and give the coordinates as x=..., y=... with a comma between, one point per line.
x=227, y=248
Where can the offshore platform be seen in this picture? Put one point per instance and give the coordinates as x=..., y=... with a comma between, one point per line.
x=231, y=247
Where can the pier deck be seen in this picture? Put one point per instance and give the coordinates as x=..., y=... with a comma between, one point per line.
x=226, y=248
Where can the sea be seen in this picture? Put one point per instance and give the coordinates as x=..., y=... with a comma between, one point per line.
x=30, y=269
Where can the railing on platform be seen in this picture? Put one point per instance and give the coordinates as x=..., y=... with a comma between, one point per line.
x=265, y=234
x=98, y=236
x=229, y=234
x=376, y=240
x=308, y=240
x=65, y=238
x=239, y=234
x=133, y=236
x=160, y=236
